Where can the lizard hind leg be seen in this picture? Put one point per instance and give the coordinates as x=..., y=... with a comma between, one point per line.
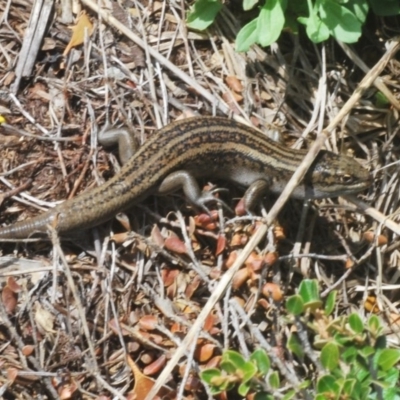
x=121, y=137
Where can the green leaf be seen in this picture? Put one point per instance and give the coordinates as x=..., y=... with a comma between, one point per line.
x=261, y=360
x=295, y=305
x=367, y=351
x=330, y=302
x=209, y=374
x=249, y=4
x=249, y=370
x=381, y=100
x=203, y=14
x=349, y=355
x=233, y=359
x=309, y=292
x=330, y=356
x=327, y=386
x=348, y=388
x=342, y=23
x=356, y=323
x=294, y=345
x=247, y=36
x=374, y=325
x=359, y=9
x=274, y=380
x=244, y=388
x=270, y=22
x=385, y=8
x=288, y=396
x=316, y=30
x=388, y=358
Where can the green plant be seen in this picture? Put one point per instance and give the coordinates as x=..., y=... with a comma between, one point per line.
x=350, y=355
x=353, y=354
x=342, y=19
x=246, y=375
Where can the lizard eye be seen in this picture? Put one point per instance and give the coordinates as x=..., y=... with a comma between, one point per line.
x=346, y=178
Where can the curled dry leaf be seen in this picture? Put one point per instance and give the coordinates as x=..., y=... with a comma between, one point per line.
x=231, y=259
x=9, y=299
x=240, y=278
x=272, y=290
x=192, y=287
x=238, y=240
x=28, y=350
x=148, y=322
x=82, y=26
x=204, y=352
x=349, y=263
x=370, y=237
x=169, y=276
x=143, y=384
x=13, y=284
x=156, y=236
x=12, y=374
x=210, y=321
x=156, y=366
x=371, y=304
x=254, y=262
x=207, y=221
x=175, y=245
x=234, y=83
x=221, y=244
x=263, y=303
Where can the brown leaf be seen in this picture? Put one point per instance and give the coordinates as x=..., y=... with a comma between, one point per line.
x=272, y=290
x=148, y=322
x=78, y=32
x=204, y=352
x=240, y=278
x=169, y=276
x=156, y=366
x=9, y=298
x=28, y=350
x=143, y=384
x=175, y=244
x=221, y=244
x=156, y=236
x=234, y=83
x=371, y=305
x=192, y=286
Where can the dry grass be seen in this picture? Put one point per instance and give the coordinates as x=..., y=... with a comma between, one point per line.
x=72, y=313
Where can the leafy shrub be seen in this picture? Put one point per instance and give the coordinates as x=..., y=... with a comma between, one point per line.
x=342, y=19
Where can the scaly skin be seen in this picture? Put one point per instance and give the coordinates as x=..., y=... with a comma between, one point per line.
x=208, y=146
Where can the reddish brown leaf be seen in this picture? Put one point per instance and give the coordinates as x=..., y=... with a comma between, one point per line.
x=28, y=350
x=9, y=298
x=176, y=245
x=156, y=366
x=204, y=352
x=273, y=291
x=240, y=278
x=221, y=244
x=234, y=83
x=148, y=322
